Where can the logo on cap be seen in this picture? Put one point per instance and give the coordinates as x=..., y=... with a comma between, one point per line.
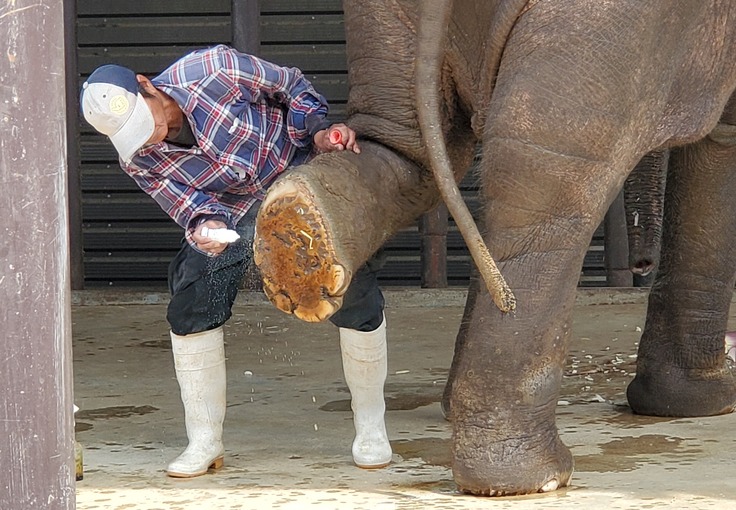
x=112, y=104
x=119, y=105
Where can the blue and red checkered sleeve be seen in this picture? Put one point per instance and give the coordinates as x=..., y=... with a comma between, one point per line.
x=186, y=205
x=258, y=79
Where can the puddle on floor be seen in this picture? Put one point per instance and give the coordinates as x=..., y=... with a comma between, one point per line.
x=625, y=418
x=161, y=343
x=619, y=455
x=398, y=398
x=114, y=412
x=81, y=427
x=629, y=453
x=431, y=450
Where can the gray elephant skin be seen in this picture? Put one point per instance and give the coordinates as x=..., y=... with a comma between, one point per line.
x=565, y=98
x=644, y=207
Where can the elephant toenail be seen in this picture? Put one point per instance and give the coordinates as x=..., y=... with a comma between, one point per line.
x=550, y=486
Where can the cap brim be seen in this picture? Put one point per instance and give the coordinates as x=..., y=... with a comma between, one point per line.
x=135, y=132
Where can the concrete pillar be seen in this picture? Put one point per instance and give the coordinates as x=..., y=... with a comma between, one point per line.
x=36, y=430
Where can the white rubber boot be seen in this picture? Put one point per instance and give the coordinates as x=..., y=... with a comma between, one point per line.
x=200, y=369
x=364, y=363
x=731, y=344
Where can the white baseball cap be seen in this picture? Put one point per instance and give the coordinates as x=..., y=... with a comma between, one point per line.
x=112, y=104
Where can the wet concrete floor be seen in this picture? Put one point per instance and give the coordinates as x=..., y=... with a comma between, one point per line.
x=288, y=427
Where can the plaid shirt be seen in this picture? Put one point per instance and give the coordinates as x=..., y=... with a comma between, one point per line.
x=250, y=118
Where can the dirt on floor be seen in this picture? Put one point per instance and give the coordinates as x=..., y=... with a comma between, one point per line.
x=288, y=428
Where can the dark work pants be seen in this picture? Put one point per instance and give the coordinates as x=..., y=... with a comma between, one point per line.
x=203, y=288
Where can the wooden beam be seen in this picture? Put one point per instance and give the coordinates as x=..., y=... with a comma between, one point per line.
x=290, y=6
x=154, y=30
x=36, y=428
x=73, y=156
x=111, y=8
x=246, y=23
x=433, y=228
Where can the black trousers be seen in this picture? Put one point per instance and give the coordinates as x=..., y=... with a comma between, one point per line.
x=203, y=288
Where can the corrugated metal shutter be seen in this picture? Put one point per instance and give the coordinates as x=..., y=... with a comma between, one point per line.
x=128, y=240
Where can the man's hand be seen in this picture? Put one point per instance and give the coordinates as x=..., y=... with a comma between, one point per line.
x=205, y=243
x=338, y=137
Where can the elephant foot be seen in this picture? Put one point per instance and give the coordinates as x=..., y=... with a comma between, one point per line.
x=681, y=393
x=508, y=467
x=296, y=255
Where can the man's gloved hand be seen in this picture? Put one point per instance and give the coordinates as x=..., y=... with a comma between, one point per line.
x=205, y=243
x=338, y=137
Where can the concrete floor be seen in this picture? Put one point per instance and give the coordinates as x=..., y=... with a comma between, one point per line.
x=288, y=428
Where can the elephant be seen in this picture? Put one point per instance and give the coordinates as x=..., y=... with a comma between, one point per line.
x=644, y=204
x=565, y=98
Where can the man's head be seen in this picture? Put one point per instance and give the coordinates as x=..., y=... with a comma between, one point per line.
x=112, y=104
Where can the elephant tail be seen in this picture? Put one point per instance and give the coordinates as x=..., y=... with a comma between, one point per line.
x=432, y=31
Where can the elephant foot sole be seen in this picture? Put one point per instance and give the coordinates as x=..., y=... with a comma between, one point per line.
x=683, y=393
x=296, y=256
x=478, y=474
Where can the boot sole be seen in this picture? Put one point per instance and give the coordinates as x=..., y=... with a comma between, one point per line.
x=373, y=466
x=214, y=465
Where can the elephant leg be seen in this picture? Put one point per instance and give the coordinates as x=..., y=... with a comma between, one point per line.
x=462, y=335
x=321, y=221
x=556, y=152
x=508, y=372
x=681, y=366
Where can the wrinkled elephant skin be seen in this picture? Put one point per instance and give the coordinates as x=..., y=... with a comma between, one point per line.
x=565, y=98
x=644, y=205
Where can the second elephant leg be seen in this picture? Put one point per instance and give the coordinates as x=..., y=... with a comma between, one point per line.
x=509, y=371
x=681, y=366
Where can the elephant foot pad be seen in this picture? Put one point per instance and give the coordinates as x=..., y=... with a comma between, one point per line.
x=296, y=256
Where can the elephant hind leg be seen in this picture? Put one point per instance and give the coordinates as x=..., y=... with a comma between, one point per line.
x=681, y=367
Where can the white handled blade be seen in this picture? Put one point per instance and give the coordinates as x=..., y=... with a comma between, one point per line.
x=221, y=235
